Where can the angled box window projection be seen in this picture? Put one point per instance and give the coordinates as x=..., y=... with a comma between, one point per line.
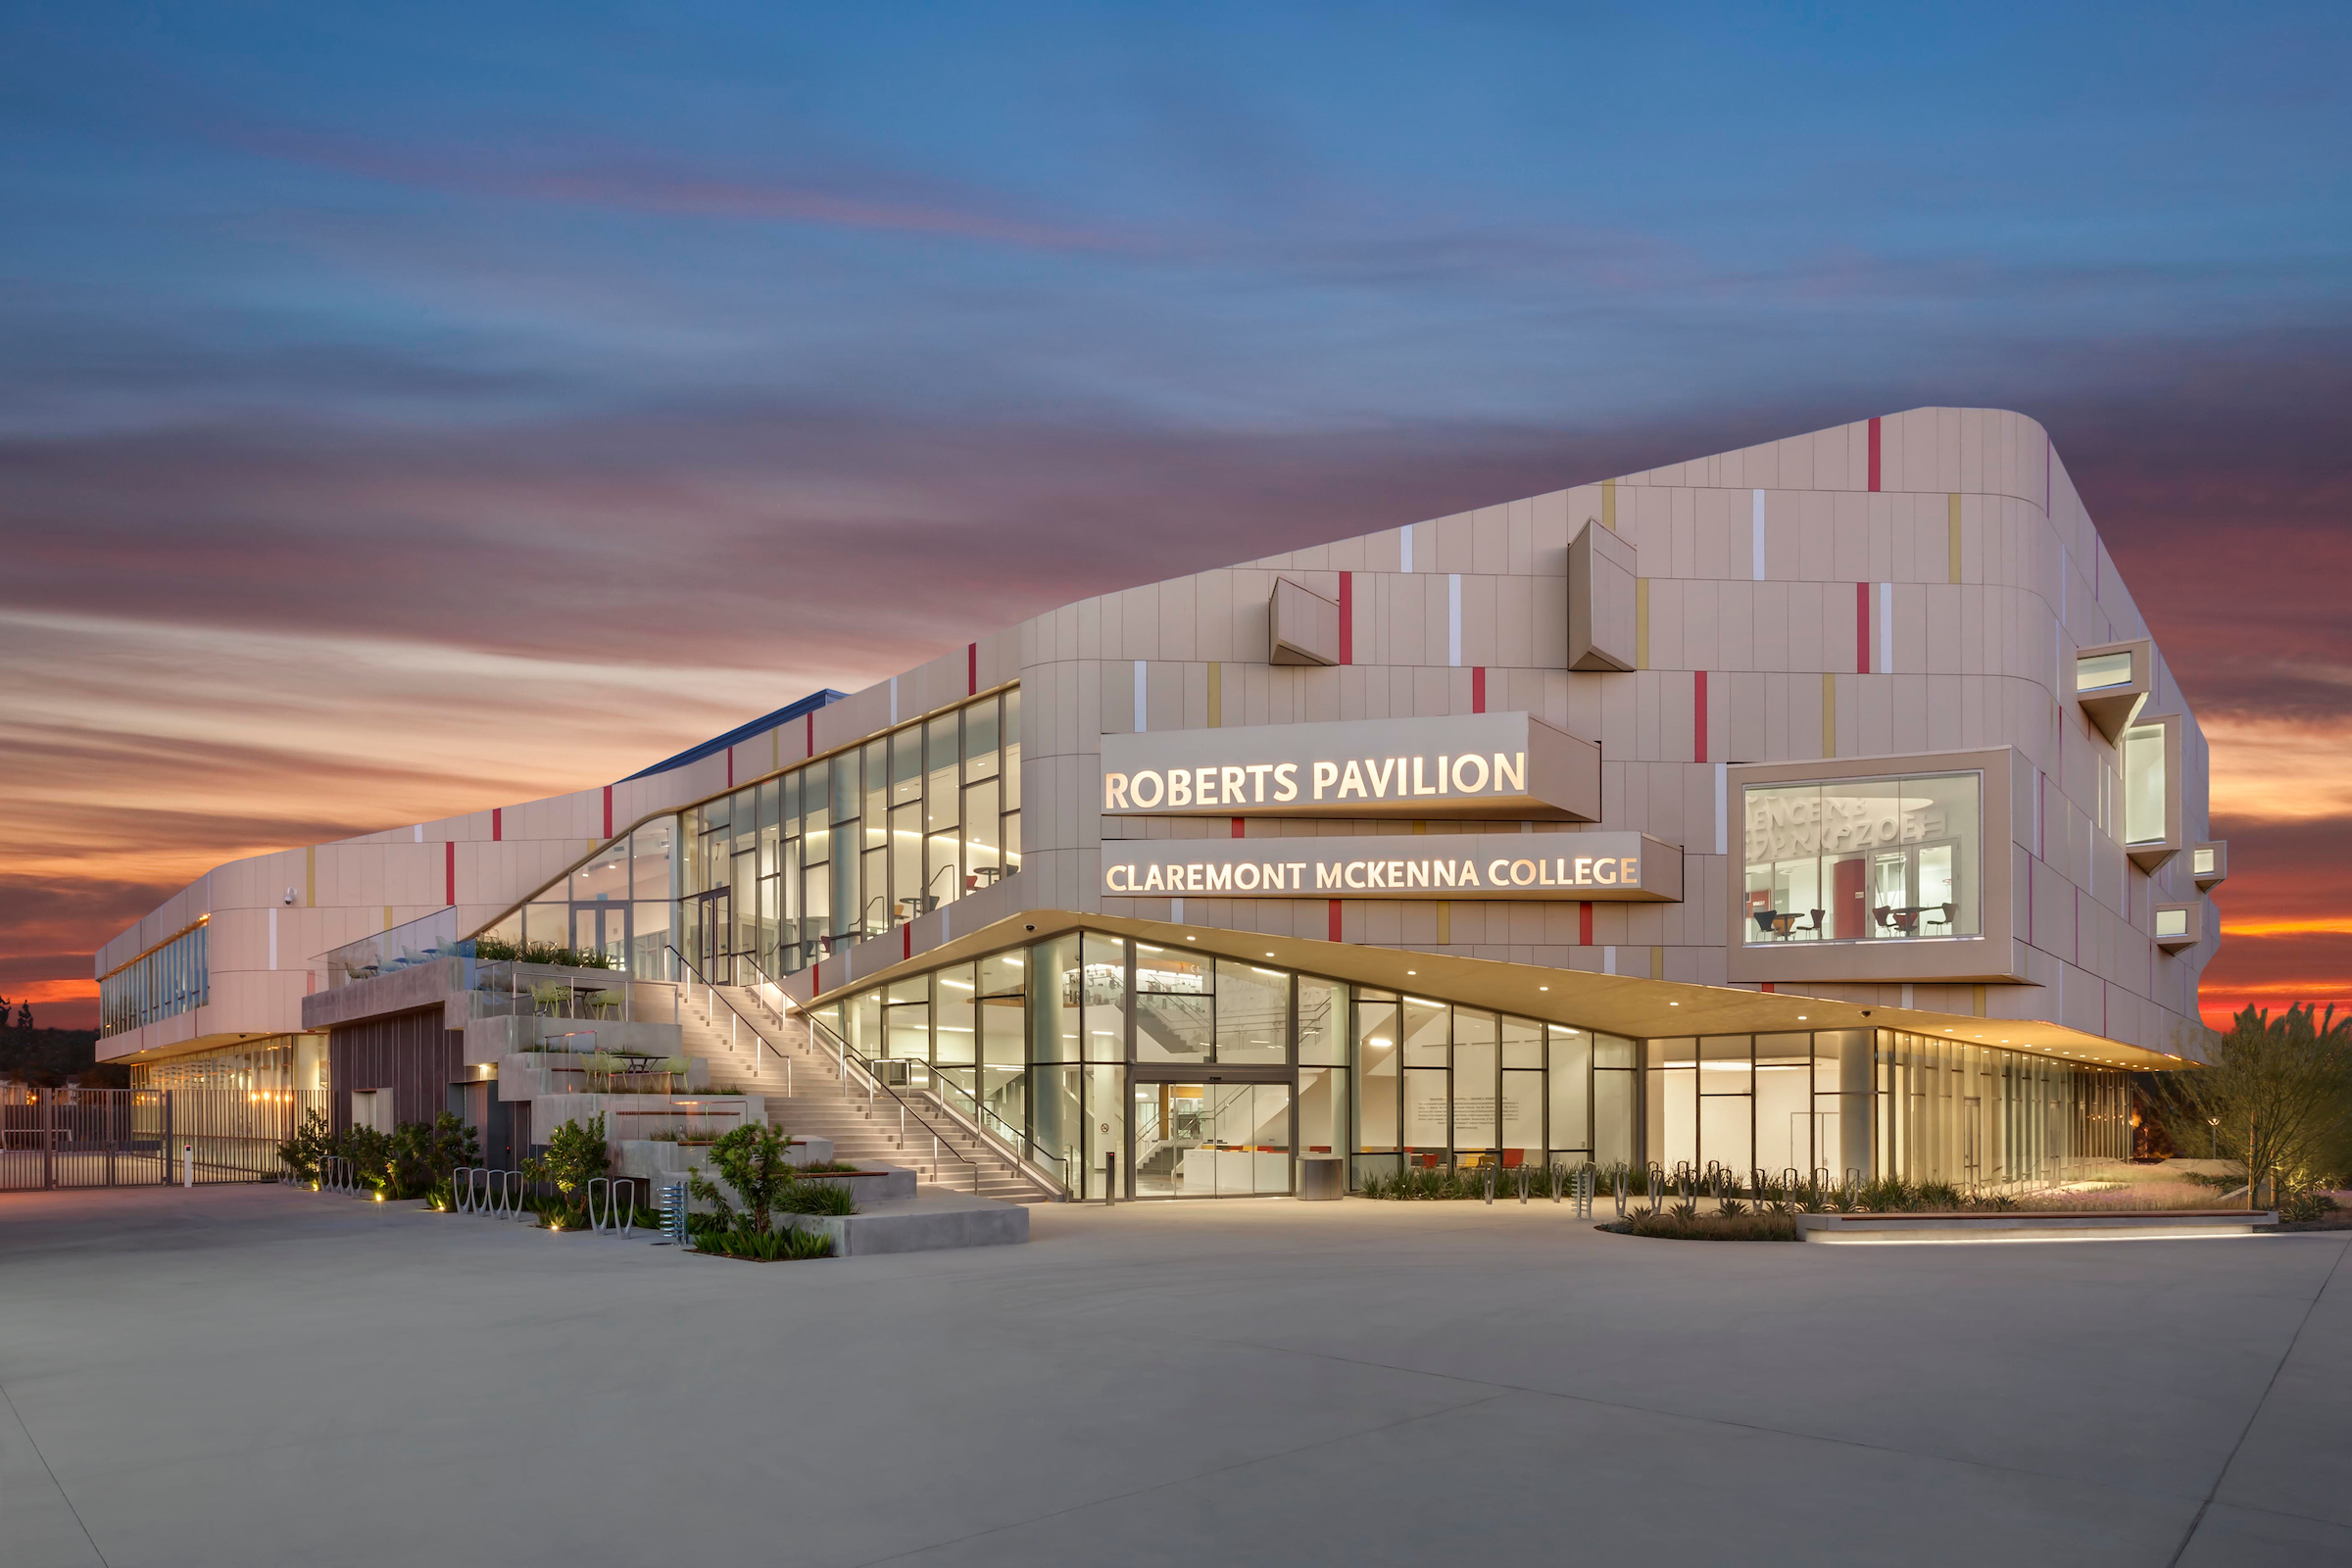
x=2152, y=778
x=2112, y=684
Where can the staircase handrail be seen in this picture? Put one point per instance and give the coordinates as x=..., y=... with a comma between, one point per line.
x=843, y=1052
x=765, y=983
x=1001, y=1135
x=984, y=1124
x=711, y=990
x=843, y=1059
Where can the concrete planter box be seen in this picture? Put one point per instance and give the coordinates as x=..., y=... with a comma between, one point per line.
x=496, y=1038
x=624, y=1112
x=931, y=1223
x=2021, y=1225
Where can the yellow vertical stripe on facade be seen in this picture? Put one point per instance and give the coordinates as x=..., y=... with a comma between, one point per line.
x=1828, y=714
x=387, y=925
x=1216, y=695
x=1608, y=505
x=1978, y=998
x=1657, y=964
x=1445, y=923
x=310, y=877
x=1641, y=623
x=1954, y=531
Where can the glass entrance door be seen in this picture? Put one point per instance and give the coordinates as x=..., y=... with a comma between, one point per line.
x=1212, y=1139
x=713, y=931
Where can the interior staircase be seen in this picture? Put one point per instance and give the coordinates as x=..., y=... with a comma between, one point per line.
x=749, y=1048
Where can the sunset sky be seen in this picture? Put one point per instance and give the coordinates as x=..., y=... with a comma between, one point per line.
x=415, y=409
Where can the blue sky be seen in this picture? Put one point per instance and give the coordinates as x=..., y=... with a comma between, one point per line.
x=1218, y=218
x=375, y=374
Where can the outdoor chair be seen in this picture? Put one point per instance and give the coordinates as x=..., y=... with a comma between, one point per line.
x=606, y=1004
x=551, y=999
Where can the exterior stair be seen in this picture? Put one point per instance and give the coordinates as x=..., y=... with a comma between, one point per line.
x=749, y=1048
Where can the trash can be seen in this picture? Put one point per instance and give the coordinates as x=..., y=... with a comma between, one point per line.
x=1322, y=1178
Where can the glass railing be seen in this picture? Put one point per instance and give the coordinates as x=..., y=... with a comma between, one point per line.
x=419, y=941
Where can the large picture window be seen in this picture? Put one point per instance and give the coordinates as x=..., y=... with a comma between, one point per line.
x=1874, y=860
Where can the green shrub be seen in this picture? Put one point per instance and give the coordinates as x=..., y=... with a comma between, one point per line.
x=819, y=1198
x=575, y=1155
x=425, y=1153
x=314, y=1139
x=767, y=1246
x=371, y=1154
x=1674, y=1224
x=751, y=1162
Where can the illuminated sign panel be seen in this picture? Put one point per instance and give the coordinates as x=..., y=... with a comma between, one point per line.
x=1466, y=765
x=1397, y=865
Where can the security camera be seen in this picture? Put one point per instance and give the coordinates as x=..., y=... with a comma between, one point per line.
x=1865, y=1013
x=289, y=895
x=1028, y=928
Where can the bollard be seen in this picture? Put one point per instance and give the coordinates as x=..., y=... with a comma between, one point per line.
x=1111, y=1179
x=187, y=1164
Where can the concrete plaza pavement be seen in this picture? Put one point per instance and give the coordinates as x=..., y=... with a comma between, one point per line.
x=259, y=1375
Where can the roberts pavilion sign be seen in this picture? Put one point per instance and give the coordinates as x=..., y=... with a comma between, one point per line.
x=1508, y=765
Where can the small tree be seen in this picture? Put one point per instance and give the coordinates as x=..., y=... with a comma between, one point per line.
x=2275, y=1097
x=750, y=1159
x=425, y=1153
x=575, y=1157
x=313, y=1140
x=371, y=1154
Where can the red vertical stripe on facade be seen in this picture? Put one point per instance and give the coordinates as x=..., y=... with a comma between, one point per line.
x=907, y=941
x=1861, y=628
x=449, y=863
x=730, y=771
x=1237, y=828
x=1335, y=920
x=1768, y=988
x=608, y=810
x=1699, y=717
x=1584, y=924
x=1347, y=623
x=1873, y=453
x=971, y=670
x=498, y=823
x=1477, y=688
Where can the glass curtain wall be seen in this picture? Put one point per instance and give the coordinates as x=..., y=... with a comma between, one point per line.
x=1863, y=1105
x=775, y=873
x=1170, y=1073
x=851, y=844
x=619, y=903
x=172, y=979
x=1162, y=1072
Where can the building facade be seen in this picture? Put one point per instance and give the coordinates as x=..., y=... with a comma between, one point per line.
x=1824, y=806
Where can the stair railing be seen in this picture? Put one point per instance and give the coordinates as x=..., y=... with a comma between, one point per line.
x=737, y=1024
x=966, y=1109
x=983, y=1125
x=855, y=1070
x=971, y=1115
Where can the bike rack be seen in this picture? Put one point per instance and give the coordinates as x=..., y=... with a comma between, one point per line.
x=610, y=1217
x=1583, y=1192
x=674, y=1230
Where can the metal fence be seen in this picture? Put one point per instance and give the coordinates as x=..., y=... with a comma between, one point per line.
x=144, y=1137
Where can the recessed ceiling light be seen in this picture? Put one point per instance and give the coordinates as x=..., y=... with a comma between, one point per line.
x=1269, y=955
x=1674, y=1004
x=1542, y=988
x=1800, y=1017
x=1412, y=971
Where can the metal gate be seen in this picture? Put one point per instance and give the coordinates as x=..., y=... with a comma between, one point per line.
x=144, y=1137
